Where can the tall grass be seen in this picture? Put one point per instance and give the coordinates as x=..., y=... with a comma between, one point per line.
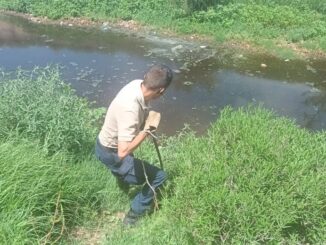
x=253, y=179
x=39, y=106
x=49, y=179
x=43, y=198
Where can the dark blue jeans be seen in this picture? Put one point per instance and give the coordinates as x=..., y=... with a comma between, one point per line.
x=130, y=170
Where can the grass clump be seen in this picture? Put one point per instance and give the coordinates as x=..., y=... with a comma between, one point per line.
x=43, y=198
x=39, y=106
x=253, y=178
x=50, y=181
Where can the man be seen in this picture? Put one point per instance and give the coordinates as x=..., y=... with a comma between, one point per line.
x=123, y=131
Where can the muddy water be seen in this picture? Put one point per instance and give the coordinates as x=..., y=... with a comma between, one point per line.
x=98, y=62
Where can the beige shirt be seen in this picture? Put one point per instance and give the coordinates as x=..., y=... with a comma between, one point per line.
x=125, y=117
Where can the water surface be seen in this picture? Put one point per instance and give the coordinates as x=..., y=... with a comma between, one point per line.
x=98, y=62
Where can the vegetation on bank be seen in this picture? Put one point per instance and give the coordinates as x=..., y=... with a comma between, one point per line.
x=266, y=23
x=49, y=179
x=253, y=178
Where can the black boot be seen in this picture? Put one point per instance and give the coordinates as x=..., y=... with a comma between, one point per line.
x=123, y=185
x=132, y=218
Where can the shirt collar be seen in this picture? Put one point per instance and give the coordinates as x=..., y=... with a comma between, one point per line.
x=140, y=97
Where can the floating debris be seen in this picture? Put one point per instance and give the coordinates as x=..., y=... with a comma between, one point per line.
x=176, y=49
x=174, y=98
x=95, y=83
x=105, y=26
x=286, y=60
x=73, y=63
x=176, y=71
x=315, y=90
x=188, y=83
x=87, y=93
x=309, y=68
x=310, y=84
x=263, y=65
x=185, y=67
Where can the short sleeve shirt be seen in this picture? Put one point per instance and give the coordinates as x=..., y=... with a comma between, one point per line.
x=125, y=116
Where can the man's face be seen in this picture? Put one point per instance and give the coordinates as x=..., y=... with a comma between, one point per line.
x=156, y=93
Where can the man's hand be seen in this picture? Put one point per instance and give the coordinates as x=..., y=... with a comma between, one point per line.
x=152, y=121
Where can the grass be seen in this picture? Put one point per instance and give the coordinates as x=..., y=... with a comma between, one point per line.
x=299, y=22
x=43, y=198
x=254, y=178
x=43, y=108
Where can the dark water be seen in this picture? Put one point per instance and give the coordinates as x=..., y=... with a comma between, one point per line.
x=98, y=62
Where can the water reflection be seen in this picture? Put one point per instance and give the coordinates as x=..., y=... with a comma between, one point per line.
x=10, y=33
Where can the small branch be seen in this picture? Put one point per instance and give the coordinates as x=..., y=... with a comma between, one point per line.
x=60, y=218
x=150, y=186
x=155, y=195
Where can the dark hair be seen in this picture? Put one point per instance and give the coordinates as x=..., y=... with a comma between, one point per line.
x=158, y=76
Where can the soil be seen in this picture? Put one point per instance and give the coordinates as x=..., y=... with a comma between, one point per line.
x=135, y=28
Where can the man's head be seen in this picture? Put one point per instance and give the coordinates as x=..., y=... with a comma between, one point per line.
x=157, y=79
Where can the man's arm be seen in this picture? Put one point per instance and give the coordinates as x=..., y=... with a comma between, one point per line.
x=127, y=147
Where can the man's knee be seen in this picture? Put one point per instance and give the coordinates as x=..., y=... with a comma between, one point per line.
x=161, y=177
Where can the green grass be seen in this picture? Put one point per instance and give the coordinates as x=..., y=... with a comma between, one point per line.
x=294, y=21
x=43, y=198
x=254, y=178
x=38, y=105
